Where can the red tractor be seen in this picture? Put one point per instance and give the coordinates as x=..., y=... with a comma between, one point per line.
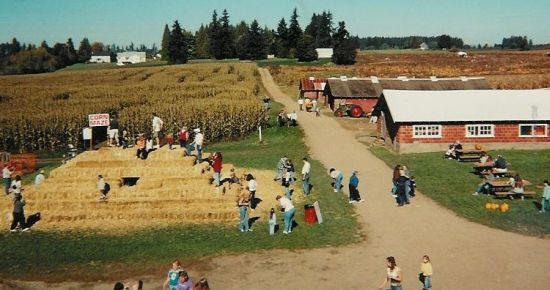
x=350, y=110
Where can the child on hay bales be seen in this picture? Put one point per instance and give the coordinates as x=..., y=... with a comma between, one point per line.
x=103, y=188
x=183, y=136
x=170, y=140
x=140, y=144
x=18, y=214
x=251, y=186
x=173, y=276
x=233, y=179
x=217, y=167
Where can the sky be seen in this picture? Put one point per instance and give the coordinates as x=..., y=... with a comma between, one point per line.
x=142, y=22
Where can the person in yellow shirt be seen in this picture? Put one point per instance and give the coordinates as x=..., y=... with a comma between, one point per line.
x=426, y=272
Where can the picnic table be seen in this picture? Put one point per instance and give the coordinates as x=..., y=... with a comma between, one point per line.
x=503, y=188
x=470, y=155
x=478, y=166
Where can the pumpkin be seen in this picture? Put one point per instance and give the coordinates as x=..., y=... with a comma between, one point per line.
x=495, y=206
x=504, y=207
x=478, y=147
x=488, y=205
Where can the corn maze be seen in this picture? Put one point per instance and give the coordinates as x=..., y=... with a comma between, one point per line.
x=48, y=111
x=171, y=190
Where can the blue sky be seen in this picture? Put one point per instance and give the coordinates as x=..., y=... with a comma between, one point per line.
x=124, y=21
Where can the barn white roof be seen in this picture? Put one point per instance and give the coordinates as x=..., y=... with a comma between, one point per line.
x=468, y=105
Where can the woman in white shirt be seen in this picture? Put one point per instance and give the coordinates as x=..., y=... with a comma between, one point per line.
x=393, y=276
x=251, y=186
x=288, y=215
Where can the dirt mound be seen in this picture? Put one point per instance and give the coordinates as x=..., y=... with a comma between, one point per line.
x=170, y=190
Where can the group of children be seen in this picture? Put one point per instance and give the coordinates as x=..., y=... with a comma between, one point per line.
x=15, y=187
x=178, y=279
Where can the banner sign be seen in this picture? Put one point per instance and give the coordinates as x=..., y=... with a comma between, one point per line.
x=318, y=212
x=97, y=120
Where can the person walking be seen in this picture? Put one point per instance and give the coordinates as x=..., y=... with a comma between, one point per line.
x=337, y=178
x=289, y=210
x=251, y=186
x=306, y=172
x=393, y=278
x=545, y=202
x=301, y=104
x=426, y=273
x=217, y=166
x=280, y=168
x=6, y=178
x=18, y=214
x=243, y=203
x=354, y=195
x=272, y=221
x=173, y=276
x=157, y=128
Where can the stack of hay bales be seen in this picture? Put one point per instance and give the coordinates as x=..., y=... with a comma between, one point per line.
x=170, y=190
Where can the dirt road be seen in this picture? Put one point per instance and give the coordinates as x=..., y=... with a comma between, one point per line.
x=465, y=255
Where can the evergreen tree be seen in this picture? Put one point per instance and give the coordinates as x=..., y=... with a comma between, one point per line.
x=344, y=49
x=215, y=32
x=444, y=41
x=256, y=47
x=325, y=30
x=241, y=37
x=201, y=43
x=226, y=38
x=15, y=46
x=305, y=50
x=177, y=47
x=44, y=45
x=165, y=43
x=294, y=30
x=269, y=37
x=60, y=51
x=71, y=52
x=84, y=50
x=281, y=40
x=190, y=42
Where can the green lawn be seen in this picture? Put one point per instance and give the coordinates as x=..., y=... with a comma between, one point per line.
x=451, y=184
x=92, y=66
x=52, y=254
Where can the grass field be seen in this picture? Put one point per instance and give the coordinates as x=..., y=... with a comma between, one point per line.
x=93, y=66
x=55, y=256
x=452, y=183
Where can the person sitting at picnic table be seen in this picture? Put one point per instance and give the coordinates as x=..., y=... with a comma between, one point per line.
x=500, y=165
x=517, y=184
x=485, y=186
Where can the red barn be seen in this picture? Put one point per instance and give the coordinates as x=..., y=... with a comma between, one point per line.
x=425, y=121
x=312, y=88
x=366, y=91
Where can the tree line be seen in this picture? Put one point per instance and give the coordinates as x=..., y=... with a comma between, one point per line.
x=17, y=58
x=220, y=39
x=409, y=42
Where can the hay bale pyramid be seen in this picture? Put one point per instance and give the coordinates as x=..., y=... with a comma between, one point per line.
x=171, y=190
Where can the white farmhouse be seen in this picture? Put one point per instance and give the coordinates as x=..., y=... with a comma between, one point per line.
x=100, y=57
x=127, y=57
x=324, y=52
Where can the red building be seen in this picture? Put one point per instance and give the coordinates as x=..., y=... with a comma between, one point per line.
x=424, y=121
x=365, y=92
x=312, y=88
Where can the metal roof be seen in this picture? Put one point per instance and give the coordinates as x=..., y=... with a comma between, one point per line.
x=468, y=105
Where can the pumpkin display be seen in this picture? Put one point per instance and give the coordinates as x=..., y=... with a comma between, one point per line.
x=504, y=207
x=495, y=206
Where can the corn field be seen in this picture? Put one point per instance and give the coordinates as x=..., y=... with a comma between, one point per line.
x=48, y=111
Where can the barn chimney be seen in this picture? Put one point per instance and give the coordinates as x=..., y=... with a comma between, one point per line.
x=374, y=80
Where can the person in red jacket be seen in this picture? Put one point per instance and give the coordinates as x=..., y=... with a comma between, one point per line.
x=217, y=166
x=183, y=136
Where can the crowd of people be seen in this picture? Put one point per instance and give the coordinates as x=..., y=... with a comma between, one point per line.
x=309, y=105
x=13, y=188
x=287, y=119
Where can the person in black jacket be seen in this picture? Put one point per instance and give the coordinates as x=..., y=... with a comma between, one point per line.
x=18, y=214
x=401, y=187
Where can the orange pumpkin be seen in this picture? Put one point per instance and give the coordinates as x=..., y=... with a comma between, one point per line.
x=478, y=147
x=488, y=205
x=504, y=207
x=495, y=206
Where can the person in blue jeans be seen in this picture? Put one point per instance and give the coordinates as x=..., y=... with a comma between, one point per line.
x=272, y=221
x=306, y=171
x=545, y=197
x=337, y=178
x=289, y=210
x=243, y=205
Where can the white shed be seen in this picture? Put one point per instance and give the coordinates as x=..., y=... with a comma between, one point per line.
x=130, y=57
x=102, y=57
x=324, y=52
x=424, y=46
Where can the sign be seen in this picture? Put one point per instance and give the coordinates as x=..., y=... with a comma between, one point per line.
x=318, y=212
x=97, y=120
x=87, y=133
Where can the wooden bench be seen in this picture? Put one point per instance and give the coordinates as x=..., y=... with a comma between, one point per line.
x=468, y=158
x=511, y=195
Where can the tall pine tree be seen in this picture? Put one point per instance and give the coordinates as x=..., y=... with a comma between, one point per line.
x=256, y=47
x=201, y=43
x=84, y=50
x=294, y=30
x=165, y=43
x=226, y=38
x=71, y=52
x=344, y=49
x=281, y=39
x=177, y=46
x=305, y=50
x=215, y=32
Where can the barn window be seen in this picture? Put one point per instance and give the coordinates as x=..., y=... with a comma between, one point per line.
x=483, y=130
x=533, y=130
x=427, y=131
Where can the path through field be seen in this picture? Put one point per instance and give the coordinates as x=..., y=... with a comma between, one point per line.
x=465, y=255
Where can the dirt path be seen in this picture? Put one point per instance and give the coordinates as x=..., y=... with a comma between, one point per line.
x=465, y=255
